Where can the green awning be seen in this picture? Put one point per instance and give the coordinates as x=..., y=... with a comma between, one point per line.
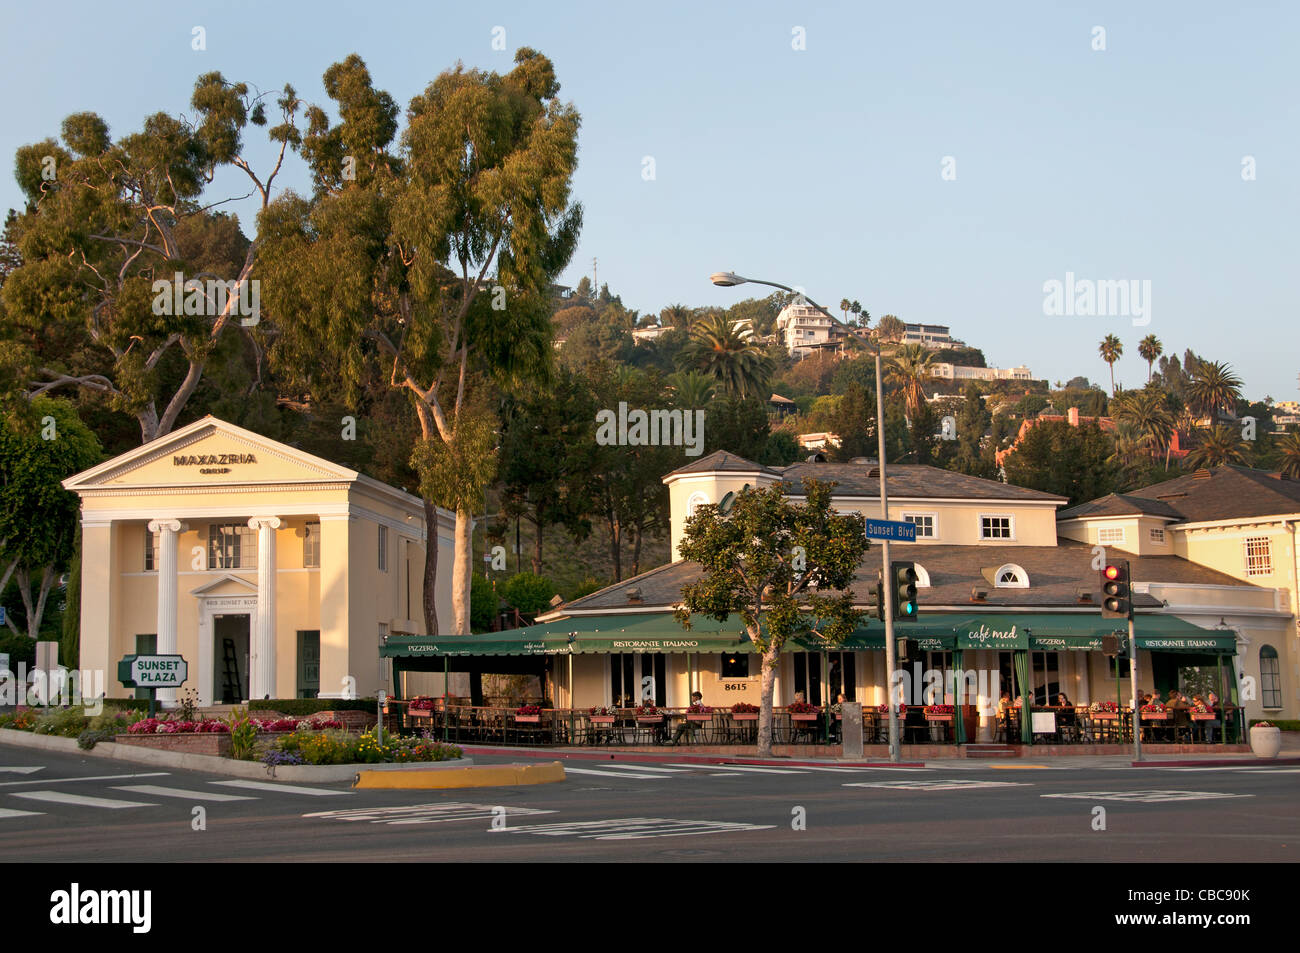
x=1058, y=632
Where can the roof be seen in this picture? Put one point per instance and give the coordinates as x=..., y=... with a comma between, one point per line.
x=1226, y=492
x=1056, y=573
x=911, y=481
x=721, y=460
x=1118, y=504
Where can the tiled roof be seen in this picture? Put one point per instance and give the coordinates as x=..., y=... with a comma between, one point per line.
x=1227, y=492
x=721, y=460
x=1118, y=504
x=909, y=481
x=1055, y=575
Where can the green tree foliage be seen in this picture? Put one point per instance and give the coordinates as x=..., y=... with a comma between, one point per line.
x=737, y=425
x=784, y=568
x=1213, y=389
x=70, y=634
x=1111, y=350
x=970, y=453
x=104, y=221
x=782, y=450
x=1074, y=462
x=1217, y=446
x=483, y=603
x=425, y=264
x=528, y=593
x=549, y=455
x=855, y=424
x=726, y=351
x=38, y=518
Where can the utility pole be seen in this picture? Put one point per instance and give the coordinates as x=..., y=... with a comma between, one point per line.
x=886, y=579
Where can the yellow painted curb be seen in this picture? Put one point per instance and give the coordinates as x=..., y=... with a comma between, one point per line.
x=485, y=776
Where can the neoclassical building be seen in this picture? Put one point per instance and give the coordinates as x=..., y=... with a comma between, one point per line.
x=275, y=573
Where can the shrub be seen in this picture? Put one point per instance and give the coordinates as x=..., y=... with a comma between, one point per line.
x=64, y=722
x=92, y=736
x=22, y=720
x=302, y=707
x=117, y=721
x=528, y=593
x=243, y=735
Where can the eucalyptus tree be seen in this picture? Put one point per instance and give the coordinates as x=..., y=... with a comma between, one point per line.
x=890, y=328
x=110, y=223
x=426, y=263
x=1111, y=350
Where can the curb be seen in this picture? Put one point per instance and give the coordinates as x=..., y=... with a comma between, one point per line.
x=211, y=764
x=647, y=758
x=1219, y=763
x=483, y=776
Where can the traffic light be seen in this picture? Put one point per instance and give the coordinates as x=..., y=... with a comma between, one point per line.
x=880, y=596
x=1116, y=598
x=904, y=576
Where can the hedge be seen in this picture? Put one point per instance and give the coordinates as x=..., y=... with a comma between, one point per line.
x=309, y=706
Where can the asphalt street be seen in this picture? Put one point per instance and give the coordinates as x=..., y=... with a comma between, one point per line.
x=71, y=808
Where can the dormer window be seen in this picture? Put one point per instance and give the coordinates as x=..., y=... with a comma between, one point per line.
x=1011, y=576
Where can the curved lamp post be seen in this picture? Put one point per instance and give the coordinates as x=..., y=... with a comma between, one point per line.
x=729, y=279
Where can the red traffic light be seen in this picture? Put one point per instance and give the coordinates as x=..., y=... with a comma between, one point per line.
x=1112, y=572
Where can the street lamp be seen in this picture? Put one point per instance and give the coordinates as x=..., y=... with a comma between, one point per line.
x=729, y=279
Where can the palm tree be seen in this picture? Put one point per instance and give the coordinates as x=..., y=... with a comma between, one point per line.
x=1213, y=388
x=909, y=369
x=675, y=316
x=1288, y=447
x=1111, y=350
x=1218, y=446
x=1145, y=411
x=1150, y=348
x=860, y=316
x=1130, y=447
x=845, y=304
x=692, y=388
x=726, y=351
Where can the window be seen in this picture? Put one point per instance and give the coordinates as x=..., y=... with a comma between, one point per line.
x=150, y=551
x=696, y=500
x=1259, y=556
x=1011, y=576
x=383, y=548
x=1046, y=677
x=232, y=546
x=1270, y=678
x=735, y=666
x=808, y=675
x=1157, y=535
x=1110, y=534
x=635, y=678
x=996, y=527
x=925, y=524
x=311, y=547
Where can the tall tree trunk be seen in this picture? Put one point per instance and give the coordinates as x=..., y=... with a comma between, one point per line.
x=616, y=546
x=765, y=698
x=460, y=570
x=537, y=546
x=429, y=587
x=636, y=549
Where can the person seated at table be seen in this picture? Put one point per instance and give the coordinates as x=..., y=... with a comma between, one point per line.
x=687, y=726
x=1004, y=703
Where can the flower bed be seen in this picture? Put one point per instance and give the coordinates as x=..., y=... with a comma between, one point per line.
x=339, y=747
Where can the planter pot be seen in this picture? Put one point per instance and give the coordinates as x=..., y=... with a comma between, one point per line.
x=1104, y=715
x=528, y=719
x=1155, y=716
x=938, y=718
x=1265, y=742
x=699, y=716
x=744, y=716
x=207, y=742
x=1204, y=716
x=649, y=719
x=800, y=716
x=602, y=719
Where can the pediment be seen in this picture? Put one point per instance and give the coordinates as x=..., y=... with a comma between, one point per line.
x=226, y=585
x=210, y=452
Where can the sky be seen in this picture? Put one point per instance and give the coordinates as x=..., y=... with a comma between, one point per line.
x=943, y=162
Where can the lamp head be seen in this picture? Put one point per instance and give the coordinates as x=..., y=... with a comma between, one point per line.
x=726, y=279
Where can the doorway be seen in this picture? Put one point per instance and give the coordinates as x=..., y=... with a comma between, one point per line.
x=230, y=657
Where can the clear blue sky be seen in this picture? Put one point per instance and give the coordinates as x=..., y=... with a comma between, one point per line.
x=821, y=167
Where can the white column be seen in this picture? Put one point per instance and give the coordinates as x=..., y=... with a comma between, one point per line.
x=168, y=538
x=261, y=676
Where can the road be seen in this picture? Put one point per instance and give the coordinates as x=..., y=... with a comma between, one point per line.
x=64, y=807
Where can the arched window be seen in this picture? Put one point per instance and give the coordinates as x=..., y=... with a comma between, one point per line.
x=696, y=500
x=1270, y=677
x=1011, y=576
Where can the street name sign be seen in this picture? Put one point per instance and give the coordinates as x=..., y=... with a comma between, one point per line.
x=904, y=532
x=152, y=671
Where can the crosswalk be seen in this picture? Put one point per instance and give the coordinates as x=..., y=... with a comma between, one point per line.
x=151, y=795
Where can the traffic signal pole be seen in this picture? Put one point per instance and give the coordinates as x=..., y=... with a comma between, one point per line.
x=1133, y=670
x=886, y=574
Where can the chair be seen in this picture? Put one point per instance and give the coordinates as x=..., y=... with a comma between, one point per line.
x=810, y=730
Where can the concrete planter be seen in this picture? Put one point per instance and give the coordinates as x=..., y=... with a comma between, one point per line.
x=1265, y=742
